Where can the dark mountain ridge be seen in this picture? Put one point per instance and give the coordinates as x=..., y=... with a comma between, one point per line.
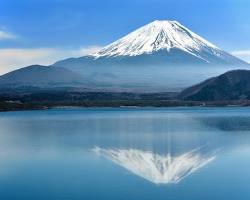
x=41, y=76
x=232, y=85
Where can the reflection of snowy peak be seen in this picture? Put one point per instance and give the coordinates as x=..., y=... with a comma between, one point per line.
x=156, y=168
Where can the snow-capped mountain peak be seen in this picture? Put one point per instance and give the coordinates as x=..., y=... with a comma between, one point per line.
x=155, y=36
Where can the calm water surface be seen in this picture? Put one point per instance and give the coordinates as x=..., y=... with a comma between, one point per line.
x=126, y=153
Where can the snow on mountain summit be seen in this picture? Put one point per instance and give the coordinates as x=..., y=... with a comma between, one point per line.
x=155, y=36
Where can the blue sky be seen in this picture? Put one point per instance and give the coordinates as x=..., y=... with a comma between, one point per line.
x=43, y=31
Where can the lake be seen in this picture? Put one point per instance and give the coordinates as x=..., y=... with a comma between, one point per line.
x=125, y=154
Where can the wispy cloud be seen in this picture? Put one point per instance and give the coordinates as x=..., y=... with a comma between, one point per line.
x=4, y=35
x=88, y=50
x=14, y=58
x=243, y=54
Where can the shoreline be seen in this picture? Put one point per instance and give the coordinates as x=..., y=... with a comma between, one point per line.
x=6, y=106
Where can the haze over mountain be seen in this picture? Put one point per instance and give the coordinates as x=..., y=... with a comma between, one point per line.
x=162, y=56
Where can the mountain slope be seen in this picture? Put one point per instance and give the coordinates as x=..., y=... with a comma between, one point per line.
x=40, y=76
x=161, y=56
x=232, y=85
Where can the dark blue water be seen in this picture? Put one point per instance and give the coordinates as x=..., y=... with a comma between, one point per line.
x=126, y=153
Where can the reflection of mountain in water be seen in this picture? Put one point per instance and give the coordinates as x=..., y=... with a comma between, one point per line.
x=159, y=169
x=228, y=123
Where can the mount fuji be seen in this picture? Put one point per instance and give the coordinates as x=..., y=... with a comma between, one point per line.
x=161, y=56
